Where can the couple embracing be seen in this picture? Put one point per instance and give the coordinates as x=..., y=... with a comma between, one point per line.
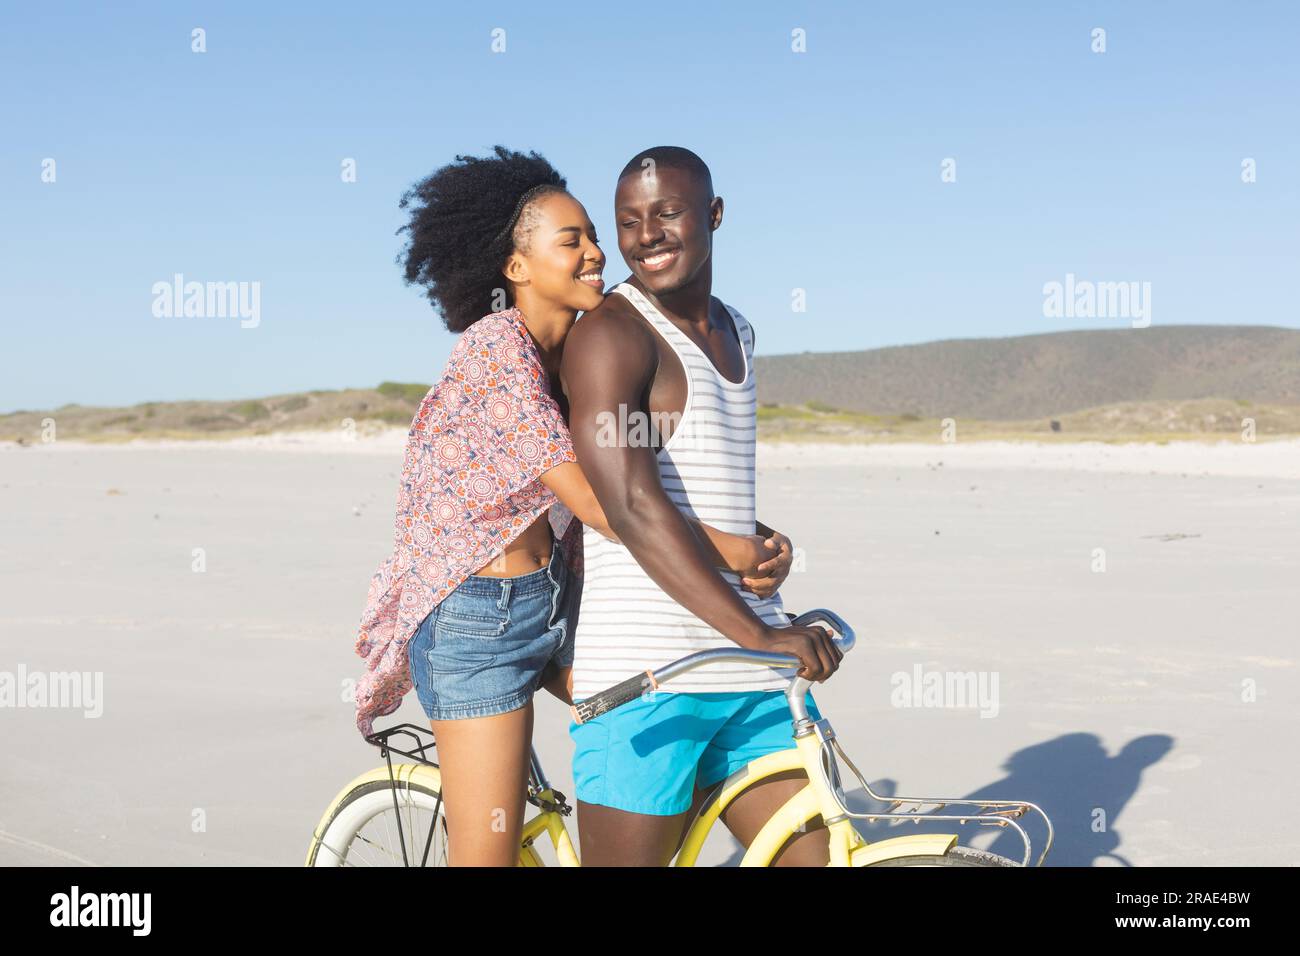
x=543, y=540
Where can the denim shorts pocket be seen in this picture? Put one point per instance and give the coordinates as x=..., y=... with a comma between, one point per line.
x=471, y=618
x=452, y=653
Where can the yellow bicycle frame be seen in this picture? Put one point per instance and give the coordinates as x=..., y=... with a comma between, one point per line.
x=847, y=846
x=552, y=824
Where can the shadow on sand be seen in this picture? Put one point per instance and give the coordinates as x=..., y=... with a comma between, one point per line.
x=1071, y=778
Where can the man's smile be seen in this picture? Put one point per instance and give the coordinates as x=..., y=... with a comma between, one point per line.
x=658, y=261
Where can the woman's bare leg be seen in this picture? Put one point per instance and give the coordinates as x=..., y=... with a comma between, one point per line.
x=484, y=763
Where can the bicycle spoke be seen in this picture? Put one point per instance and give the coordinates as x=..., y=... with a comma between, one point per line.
x=376, y=842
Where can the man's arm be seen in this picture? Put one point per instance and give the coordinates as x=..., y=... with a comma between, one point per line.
x=609, y=361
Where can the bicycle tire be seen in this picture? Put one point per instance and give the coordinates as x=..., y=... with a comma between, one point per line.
x=956, y=856
x=362, y=805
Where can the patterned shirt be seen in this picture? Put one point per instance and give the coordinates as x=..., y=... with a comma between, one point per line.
x=480, y=441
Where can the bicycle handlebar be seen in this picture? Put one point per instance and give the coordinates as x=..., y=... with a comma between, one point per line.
x=642, y=683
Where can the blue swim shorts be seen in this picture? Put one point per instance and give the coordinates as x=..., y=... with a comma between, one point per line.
x=650, y=754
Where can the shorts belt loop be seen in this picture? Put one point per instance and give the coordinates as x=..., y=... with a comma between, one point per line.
x=503, y=601
x=555, y=566
x=555, y=574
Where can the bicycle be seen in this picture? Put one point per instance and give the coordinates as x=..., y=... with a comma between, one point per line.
x=349, y=832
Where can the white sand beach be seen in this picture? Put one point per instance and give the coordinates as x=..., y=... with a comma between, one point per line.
x=1150, y=705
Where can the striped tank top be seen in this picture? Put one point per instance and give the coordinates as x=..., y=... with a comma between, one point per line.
x=627, y=623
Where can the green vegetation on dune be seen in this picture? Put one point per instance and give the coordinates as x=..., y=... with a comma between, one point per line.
x=404, y=391
x=394, y=405
x=1159, y=384
x=251, y=411
x=1205, y=419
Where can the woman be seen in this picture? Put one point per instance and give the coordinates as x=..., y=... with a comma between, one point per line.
x=473, y=607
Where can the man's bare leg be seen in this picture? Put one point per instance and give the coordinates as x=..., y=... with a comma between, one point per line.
x=748, y=813
x=754, y=807
x=611, y=837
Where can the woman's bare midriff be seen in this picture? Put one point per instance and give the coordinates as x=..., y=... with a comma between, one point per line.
x=529, y=552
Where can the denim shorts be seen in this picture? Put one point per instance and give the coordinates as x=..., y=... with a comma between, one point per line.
x=483, y=649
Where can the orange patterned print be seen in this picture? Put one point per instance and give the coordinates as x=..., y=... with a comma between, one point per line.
x=480, y=441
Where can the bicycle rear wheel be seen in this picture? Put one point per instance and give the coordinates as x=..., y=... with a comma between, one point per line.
x=363, y=830
x=956, y=856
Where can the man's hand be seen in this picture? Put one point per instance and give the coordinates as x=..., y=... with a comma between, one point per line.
x=814, y=646
x=769, y=574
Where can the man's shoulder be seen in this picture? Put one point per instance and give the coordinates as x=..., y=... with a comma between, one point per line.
x=615, y=319
x=615, y=309
x=742, y=323
x=727, y=306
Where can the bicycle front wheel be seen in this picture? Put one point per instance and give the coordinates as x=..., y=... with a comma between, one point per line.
x=366, y=829
x=956, y=856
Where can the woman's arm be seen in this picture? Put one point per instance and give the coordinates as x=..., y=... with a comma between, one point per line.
x=570, y=485
x=745, y=554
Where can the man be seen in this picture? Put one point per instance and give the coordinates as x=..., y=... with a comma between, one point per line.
x=661, y=349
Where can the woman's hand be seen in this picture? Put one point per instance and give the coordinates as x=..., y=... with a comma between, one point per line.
x=761, y=561
x=741, y=553
x=772, y=567
x=559, y=681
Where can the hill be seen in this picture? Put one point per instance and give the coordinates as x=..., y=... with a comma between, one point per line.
x=1111, y=385
x=1035, y=376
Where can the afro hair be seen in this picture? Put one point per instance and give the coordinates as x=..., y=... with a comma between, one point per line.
x=464, y=221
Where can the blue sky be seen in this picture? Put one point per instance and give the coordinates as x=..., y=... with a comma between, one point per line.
x=225, y=166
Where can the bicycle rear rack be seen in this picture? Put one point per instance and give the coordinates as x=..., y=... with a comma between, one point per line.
x=419, y=753
x=993, y=813
x=537, y=783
